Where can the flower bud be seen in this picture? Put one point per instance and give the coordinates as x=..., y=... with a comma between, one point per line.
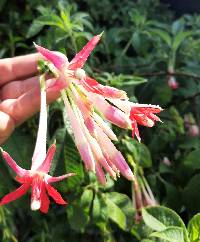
x=166, y=161
x=193, y=130
x=172, y=83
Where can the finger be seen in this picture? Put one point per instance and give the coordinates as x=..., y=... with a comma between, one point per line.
x=14, y=89
x=18, y=67
x=28, y=104
x=7, y=126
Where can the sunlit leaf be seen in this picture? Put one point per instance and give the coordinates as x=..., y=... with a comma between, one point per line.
x=170, y=234
x=194, y=228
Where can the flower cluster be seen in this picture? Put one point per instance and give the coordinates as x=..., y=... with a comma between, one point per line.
x=90, y=105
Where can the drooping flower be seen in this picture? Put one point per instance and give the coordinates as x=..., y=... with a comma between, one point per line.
x=89, y=104
x=142, y=196
x=191, y=125
x=37, y=178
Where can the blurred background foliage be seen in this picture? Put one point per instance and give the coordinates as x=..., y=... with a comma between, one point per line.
x=144, y=46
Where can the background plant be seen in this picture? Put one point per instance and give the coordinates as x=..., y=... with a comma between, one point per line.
x=142, y=40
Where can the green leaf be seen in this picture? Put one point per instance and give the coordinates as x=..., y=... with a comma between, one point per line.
x=136, y=41
x=147, y=240
x=179, y=38
x=139, y=151
x=194, y=228
x=137, y=18
x=125, y=204
x=59, y=137
x=51, y=20
x=86, y=198
x=96, y=209
x=116, y=214
x=171, y=234
x=77, y=217
x=191, y=162
x=20, y=146
x=166, y=216
x=163, y=35
x=171, y=196
x=177, y=26
x=134, y=80
x=152, y=222
x=145, y=156
x=80, y=16
x=191, y=143
x=177, y=120
x=34, y=29
x=190, y=195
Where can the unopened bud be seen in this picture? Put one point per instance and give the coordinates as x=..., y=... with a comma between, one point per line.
x=172, y=83
x=166, y=161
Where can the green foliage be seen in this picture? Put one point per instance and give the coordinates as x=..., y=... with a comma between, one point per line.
x=194, y=228
x=143, y=43
x=168, y=226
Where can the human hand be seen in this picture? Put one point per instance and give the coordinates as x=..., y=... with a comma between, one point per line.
x=20, y=92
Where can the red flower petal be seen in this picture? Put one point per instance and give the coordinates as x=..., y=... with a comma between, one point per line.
x=90, y=85
x=44, y=207
x=24, y=179
x=13, y=165
x=135, y=130
x=145, y=115
x=37, y=186
x=15, y=194
x=79, y=60
x=106, y=91
x=58, y=59
x=153, y=117
x=55, y=195
x=45, y=166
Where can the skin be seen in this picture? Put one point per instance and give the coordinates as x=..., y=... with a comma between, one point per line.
x=20, y=92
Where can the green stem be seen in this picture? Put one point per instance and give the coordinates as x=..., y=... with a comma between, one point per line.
x=73, y=41
x=126, y=47
x=172, y=62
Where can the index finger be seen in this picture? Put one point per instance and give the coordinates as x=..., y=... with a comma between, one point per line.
x=18, y=67
x=28, y=104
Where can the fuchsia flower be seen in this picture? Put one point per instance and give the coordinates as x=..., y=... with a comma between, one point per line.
x=89, y=104
x=142, y=196
x=37, y=177
x=190, y=124
x=194, y=130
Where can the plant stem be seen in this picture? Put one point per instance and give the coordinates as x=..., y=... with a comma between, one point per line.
x=126, y=47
